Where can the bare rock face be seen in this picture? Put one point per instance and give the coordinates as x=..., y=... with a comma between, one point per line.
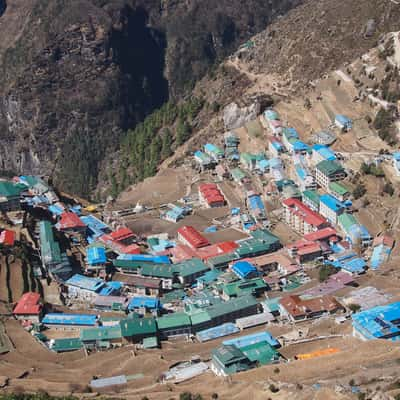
x=235, y=116
x=75, y=75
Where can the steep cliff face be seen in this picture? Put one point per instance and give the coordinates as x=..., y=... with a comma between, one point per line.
x=74, y=75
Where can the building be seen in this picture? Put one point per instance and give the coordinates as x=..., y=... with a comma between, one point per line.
x=7, y=237
x=101, y=336
x=10, y=196
x=95, y=258
x=203, y=160
x=304, y=250
x=238, y=175
x=275, y=147
x=144, y=305
x=228, y=359
x=191, y=237
x=121, y=241
x=175, y=324
x=135, y=329
x=324, y=137
x=142, y=286
x=111, y=303
x=175, y=214
x=355, y=233
x=69, y=321
x=276, y=261
x=222, y=171
x=380, y=322
x=255, y=287
x=311, y=199
x=321, y=153
x=297, y=309
x=339, y=191
x=244, y=270
x=330, y=208
x=83, y=288
x=305, y=179
x=396, y=162
x=328, y=171
x=343, y=123
x=29, y=307
x=63, y=345
x=301, y=218
x=214, y=152
x=70, y=223
x=256, y=206
x=53, y=261
x=210, y=195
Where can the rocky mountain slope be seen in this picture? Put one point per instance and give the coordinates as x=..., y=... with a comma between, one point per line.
x=284, y=61
x=74, y=75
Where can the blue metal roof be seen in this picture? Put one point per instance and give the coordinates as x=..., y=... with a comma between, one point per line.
x=96, y=255
x=69, y=319
x=255, y=203
x=247, y=340
x=111, y=289
x=147, y=302
x=379, y=322
x=55, y=209
x=332, y=202
x=96, y=227
x=396, y=155
x=301, y=172
x=217, y=332
x=343, y=119
x=85, y=282
x=263, y=164
x=243, y=269
x=380, y=254
x=145, y=258
x=324, y=151
x=300, y=146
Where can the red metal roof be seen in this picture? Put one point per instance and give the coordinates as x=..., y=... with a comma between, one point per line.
x=211, y=193
x=321, y=234
x=182, y=252
x=193, y=237
x=70, y=220
x=7, y=237
x=28, y=304
x=305, y=213
x=304, y=247
x=122, y=234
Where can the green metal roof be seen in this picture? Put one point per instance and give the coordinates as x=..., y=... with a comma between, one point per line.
x=175, y=320
x=222, y=260
x=134, y=265
x=166, y=271
x=238, y=174
x=10, y=189
x=101, y=333
x=228, y=354
x=50, y=249
x=347, y=220
x=252, y=247
x=67, y=344
x=329, y=167
x=190, y=267
x=248, y=286
x=312, y=195
x=338, y=188
x=138, y=326
x=200, y=317
x=227, y=307
x=265, y=236
x=261, y=352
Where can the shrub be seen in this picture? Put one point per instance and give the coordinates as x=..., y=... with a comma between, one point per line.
x=325, y=272
x=273, y=388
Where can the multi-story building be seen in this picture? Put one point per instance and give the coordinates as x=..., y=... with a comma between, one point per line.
x=328, y=171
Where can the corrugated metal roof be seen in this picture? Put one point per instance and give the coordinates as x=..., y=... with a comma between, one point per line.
x=175, y=320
